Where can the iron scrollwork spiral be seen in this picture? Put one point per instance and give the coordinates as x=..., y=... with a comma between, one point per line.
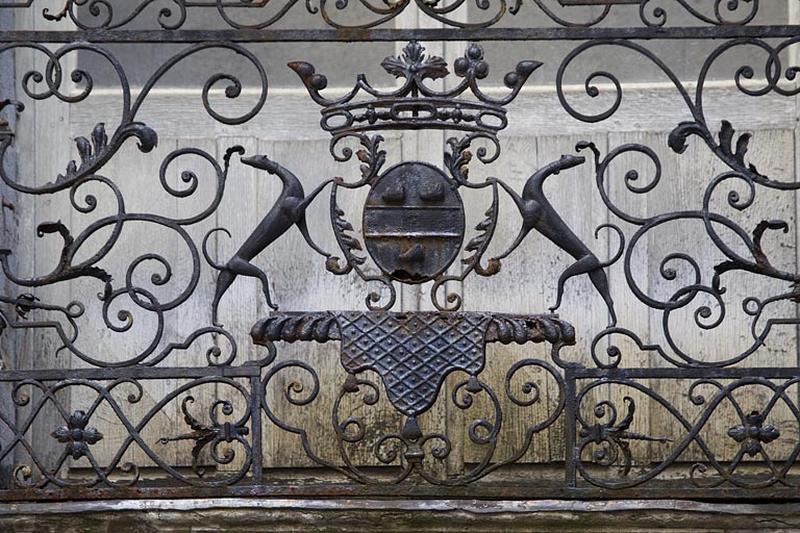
x=97, y=15
x=95, y=151
x=411, y=450
x=78, y=437
x=748, y=255
x=607, y=443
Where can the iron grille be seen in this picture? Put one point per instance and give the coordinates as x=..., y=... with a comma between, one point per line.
x=413, y=231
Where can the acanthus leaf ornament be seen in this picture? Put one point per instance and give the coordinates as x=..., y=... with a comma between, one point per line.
x=209, y=435
x=414, y=65
x=616, y=434
x=94, y=154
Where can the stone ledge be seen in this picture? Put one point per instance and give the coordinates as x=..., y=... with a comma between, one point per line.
x=337, y=515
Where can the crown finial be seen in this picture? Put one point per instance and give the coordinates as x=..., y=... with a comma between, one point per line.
x=415, y=105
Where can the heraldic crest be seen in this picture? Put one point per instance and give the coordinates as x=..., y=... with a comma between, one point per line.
x=414, y=230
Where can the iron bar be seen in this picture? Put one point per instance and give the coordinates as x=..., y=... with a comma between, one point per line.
x=400, y=35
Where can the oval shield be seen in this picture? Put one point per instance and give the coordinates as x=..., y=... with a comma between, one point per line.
x=413, y=222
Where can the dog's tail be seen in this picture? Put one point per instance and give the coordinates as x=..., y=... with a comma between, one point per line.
x=620, y=249
x=207, y=255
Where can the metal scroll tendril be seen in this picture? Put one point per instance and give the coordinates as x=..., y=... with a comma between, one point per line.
x=412, y=450
x=731, y=149
x=94, y=153
x=94, y=15
x=213, y=435
x=413, y=231
x=78, y=436
x=609, y=439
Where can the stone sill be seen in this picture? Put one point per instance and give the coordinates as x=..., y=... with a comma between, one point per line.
x=335, y=515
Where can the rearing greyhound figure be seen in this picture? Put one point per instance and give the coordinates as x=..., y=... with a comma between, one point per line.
x=289, y=210
x=537, y=213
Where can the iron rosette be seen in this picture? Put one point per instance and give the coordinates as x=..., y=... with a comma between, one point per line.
x=757, y=453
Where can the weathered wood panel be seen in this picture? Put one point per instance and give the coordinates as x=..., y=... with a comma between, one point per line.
x=9, y=221
x=402, y=515
x=288, y=132
x=685, y=179
x=43, y=138
x=300, y=282
x=528, y=282
x=143, y=192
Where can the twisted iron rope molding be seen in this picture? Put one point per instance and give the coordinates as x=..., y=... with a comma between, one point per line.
x=100, y=14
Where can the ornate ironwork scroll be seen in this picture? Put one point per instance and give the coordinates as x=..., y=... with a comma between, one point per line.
x=173, y=14
x=380, y=409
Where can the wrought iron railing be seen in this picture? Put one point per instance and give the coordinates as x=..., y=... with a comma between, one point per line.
x=413, y=232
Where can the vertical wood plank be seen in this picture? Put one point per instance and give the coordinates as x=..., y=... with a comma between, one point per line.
x=142, y=193
x=632, y=313
x=239, y=212
x=527, y=281
x=575, y=197
x=428, y=146
x=300, y=282
x=520, y=158
x=45, y=150
x=195, y=312
x=684, y=181
x=9, y=229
